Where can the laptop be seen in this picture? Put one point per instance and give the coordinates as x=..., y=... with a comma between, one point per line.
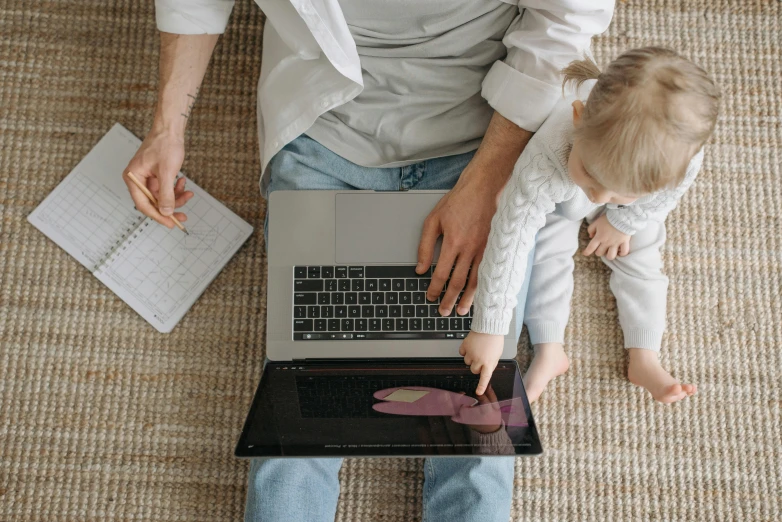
x=360, y=363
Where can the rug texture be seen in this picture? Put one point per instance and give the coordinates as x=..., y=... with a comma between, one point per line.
x=104, y=419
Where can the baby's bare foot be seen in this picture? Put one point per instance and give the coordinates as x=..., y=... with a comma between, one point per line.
x=646, y=371
x=549, y=361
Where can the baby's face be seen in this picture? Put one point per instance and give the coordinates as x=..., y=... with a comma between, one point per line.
x=595, y=191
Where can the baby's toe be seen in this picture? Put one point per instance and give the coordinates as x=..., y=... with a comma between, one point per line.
x=672, y=394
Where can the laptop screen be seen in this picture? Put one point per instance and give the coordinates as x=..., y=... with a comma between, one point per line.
x=384, y=408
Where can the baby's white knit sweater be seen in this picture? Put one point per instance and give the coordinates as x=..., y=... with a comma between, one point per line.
x=540, y=185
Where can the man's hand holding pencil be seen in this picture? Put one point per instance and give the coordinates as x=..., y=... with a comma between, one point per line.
x=155, y=167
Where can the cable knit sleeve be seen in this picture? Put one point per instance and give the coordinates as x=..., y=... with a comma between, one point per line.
x=534, y=189
x=629, y=219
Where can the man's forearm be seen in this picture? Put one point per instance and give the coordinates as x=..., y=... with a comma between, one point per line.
x=501, y=147
x=183, y=62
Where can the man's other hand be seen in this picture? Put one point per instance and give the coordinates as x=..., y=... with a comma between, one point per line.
x=463, y=217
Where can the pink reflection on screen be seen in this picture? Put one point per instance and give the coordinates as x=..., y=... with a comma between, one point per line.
x=461, y=408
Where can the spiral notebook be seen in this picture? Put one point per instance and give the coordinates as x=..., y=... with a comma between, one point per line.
x=159, y=272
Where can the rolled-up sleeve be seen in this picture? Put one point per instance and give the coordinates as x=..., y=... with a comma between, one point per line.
x=541, y=41
x=193, y=16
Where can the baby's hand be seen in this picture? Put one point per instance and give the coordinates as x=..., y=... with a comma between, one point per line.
x=482, y=353
x=606, y=240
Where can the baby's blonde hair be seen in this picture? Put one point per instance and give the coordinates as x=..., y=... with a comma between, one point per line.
x=649, y=113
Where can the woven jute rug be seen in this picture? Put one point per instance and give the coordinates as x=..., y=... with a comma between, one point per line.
x=103, y=419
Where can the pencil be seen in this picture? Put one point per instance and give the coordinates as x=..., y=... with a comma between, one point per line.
x=147, y=193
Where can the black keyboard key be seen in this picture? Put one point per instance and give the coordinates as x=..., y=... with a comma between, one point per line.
x=361, y=325
x=405, y=297
x=377, y=298
x=394, y=311
x=442, y=323
x=401, y=324
x=381, y=311
x=419, y=297
x=340, y=312
x=467, y=323
x=371, y=285
x=351, y=298
x=308, y=285
x=320, y=325
x=326, y=272
x=341, y=272
x=331, y=285
x=302, y=325
x=333, y=325
x=421, y=311
x=398, y=285
x=356, y=271
x=367, y=311
x=357, y=285
x=429, y=324
x=324, y=298
x=347, y=325
x=299, y=312
x=392, y=298
x=392, y=271
x=374, y=325
x=388, y=324
x=313, y=312
x=384, y=285
x=408, y=311
x=411, y=285
x=354, y=311
x=364, y=298
x=423, y=284
x=456, y=324
x=304, y=299
x=434, y=311
x=327, y=312
x=343, y=285
x=337, y=298
x=313, y=272
x=300, y=272
x=415, y=323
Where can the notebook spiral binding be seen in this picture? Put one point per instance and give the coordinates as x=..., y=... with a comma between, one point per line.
x=123, y=242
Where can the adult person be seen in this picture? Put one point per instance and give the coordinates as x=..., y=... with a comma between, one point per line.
x=383, y=95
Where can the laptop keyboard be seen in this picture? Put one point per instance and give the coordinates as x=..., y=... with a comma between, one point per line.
x=339, y=397
x=369, y=302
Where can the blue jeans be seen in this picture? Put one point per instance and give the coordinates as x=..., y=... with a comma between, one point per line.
x=455, y=489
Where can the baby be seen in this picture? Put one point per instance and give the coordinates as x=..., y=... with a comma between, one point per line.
x=621, y=160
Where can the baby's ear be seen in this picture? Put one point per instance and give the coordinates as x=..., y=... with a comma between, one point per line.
x=578, y=109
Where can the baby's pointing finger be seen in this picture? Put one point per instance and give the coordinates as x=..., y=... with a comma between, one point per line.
x=483, y=383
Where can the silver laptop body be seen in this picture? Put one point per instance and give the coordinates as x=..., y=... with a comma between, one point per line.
x=346, y=230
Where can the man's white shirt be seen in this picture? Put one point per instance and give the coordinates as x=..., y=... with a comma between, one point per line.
x=310, y=63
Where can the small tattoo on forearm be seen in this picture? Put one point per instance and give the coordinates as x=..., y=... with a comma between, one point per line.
x=191, y=103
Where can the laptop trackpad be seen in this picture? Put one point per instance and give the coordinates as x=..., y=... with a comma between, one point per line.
x=383, y=227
